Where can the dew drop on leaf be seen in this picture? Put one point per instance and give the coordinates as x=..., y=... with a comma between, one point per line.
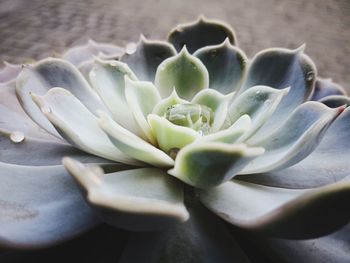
x=310, y=75
x=130, y=48
x=17, y=136
x=45, y=109
x=267, y=102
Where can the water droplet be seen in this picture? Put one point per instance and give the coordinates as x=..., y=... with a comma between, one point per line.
x=130, y=48
x=267, y=102
x=45, y=109
x=258, y=92
x=310, y=75
x=17, y=136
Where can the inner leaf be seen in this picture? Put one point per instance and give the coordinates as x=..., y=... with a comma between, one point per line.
x=196, y=116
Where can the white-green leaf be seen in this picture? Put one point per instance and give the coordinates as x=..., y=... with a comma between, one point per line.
x=161, y=107
x=259, y=102
x=209, y=164
x=140, y=199
x=296, y=138
x=327, y=164
x=171, y=137
x=142, y=98
x=108, y=79
x=231, y=134
x=77, y=124
x=281, y=68
x=184, y=72
x=290, y=213
x=131, y=145
x=40, y=207
x=80, y=54
x=49, y=73
x=14, y=119
x=16, y=148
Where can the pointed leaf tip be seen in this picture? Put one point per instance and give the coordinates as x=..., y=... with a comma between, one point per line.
x=184, y=72
x=200, y=33
x=143, y=199
x=210, y=164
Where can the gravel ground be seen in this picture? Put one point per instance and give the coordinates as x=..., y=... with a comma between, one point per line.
x=30, y=29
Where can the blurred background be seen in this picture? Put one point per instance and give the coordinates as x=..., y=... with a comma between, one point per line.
x=31, y=29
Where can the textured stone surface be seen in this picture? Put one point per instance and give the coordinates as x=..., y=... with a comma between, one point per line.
x=30, y=29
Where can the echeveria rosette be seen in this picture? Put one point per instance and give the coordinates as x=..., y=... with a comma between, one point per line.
x=154, y=136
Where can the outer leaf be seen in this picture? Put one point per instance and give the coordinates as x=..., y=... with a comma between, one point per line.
x=296, y=138
x=46, y=74
x=147, y=57
x=111, y=242
x=14, y=119
x=78, y=125
x=132, y=145
x=86, y=66
x=326, y=87
x=80, y=54
x=281, y=212
x=139, y=199
x=226, y=65
x=203, y=238
x=281, y=68
x=206, y=165
x=184, y=72
x=335, y=101
x=9, y=72
x=40, y=206
x=327, y=164
x=329, y=249
x=33, y=151
x=200, y=33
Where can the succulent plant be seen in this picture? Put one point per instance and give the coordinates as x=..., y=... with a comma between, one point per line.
x=170, y=140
